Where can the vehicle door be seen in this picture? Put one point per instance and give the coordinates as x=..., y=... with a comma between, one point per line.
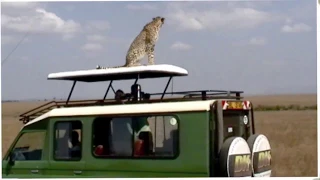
x=26, y=158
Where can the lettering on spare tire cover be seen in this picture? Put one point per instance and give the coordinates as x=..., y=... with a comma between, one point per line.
x=240, y=164
x=262, y=161
x=239, y=160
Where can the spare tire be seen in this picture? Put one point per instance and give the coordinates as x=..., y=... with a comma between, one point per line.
x=260, y=154
x=235, y=158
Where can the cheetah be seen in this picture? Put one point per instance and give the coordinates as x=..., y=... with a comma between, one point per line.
x=143, y=44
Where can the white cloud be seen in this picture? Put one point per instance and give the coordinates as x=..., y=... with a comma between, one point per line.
x=250, y=4
x=289, y=20
x=258, y=41
x=296, y=28
x=94, y=43
x=254, y=41
x=141, y=7
x=189, y=18
x=97, y=25
x=33, y=18
x=19, y=5
x=67, y=37
x=96, y=38
x=180, y=46
x=92, y=47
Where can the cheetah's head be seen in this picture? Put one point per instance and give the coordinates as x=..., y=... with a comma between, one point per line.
x=158, y=20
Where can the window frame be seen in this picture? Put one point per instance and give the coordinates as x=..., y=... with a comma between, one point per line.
x=54, y=140
x=175, y=156
x=14, y=143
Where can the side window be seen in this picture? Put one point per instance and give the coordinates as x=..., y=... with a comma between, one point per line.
x=154, y=137
x=164, y=131
x=112, y=137
x=67, y=142
x=29, y=146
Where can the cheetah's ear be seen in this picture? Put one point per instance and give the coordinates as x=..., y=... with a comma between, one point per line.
x=162, y=19
x=153, y=19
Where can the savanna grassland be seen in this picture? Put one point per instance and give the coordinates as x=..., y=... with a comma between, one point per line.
x=292, y=133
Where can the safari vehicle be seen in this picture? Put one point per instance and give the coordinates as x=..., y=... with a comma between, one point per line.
x=205, y=133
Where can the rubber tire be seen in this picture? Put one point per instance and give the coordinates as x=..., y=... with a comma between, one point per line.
x=251, y=141
x=224, y=154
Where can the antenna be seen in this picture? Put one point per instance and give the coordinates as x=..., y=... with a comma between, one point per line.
x=17, y=45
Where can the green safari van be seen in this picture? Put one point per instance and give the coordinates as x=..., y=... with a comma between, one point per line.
x=205, y=133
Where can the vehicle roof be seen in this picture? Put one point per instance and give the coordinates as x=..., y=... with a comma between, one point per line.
x=122, y=73
x=203, y=105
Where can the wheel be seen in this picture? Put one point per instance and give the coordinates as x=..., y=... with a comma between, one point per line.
x=260, y=154
x=235, y=158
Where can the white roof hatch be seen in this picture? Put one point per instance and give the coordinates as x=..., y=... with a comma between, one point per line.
x=122, y=73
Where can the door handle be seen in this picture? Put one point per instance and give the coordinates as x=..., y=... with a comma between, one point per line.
x=34, y=171
x=77, y=172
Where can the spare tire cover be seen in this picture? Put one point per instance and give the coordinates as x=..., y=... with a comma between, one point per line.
x=235, y=158
x=261, y=155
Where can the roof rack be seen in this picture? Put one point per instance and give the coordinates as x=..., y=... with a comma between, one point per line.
x=187, y=96
x=40, y=110
x=206, y=94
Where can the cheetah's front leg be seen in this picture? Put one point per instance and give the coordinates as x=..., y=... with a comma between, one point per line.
x=150, y=53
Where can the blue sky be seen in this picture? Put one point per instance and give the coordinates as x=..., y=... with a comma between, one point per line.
x=264, y=47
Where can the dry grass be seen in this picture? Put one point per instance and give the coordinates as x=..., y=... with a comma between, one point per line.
x=293, y=138
x=10, y=124
x=293, y=134
x=284, y=100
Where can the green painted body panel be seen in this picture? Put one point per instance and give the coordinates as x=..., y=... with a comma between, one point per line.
x=30, y=169
x=193, y=159
x=193, y=143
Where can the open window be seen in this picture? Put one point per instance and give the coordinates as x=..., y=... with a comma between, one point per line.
x=29, y=146
x=67, y=142
x=135, y=137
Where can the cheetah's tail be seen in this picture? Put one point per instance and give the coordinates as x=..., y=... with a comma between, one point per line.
x=102, y=67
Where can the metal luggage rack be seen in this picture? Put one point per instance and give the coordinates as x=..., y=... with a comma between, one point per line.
x=187, y=96
x=204, y=94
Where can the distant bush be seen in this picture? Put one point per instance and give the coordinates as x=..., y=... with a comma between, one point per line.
x=284, y=108
x=10, y=101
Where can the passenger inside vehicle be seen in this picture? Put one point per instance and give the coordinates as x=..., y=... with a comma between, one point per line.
x=137, y=94
x=102, y=142
x=143, y=136
x=76, y=144
x=120, y=96
x=99, y=150
x=143, y=146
